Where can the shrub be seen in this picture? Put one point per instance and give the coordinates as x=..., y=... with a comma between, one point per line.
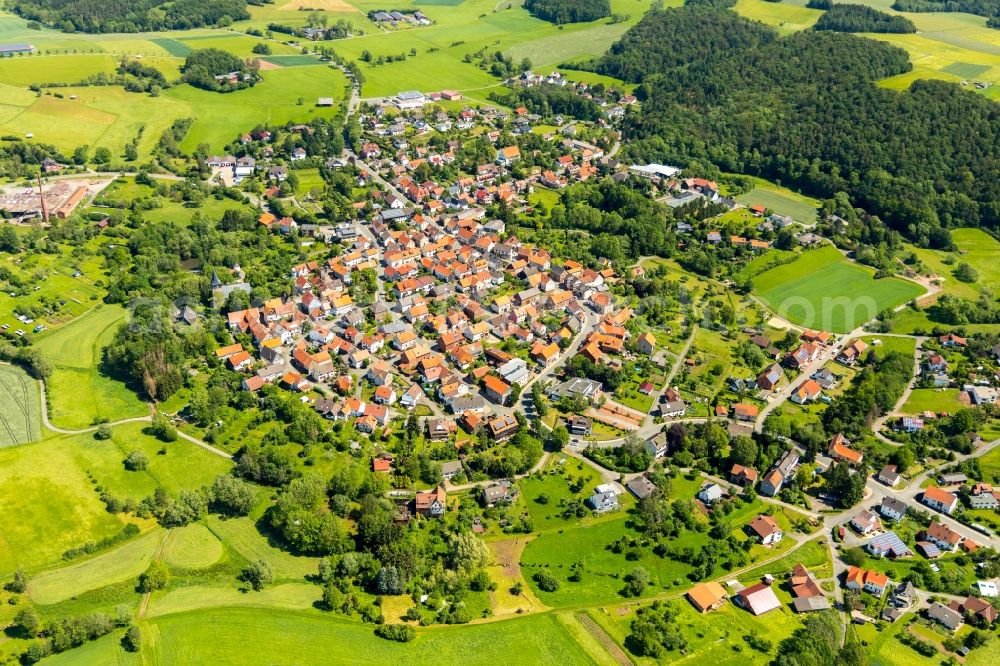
x=402, y=633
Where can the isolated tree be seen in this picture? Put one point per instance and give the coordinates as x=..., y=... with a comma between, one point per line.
x=20, y=582
x=155, y=577
x=136, y=461
x=27, y=620
x=966, y=273
x=258, y=574
x=133, y=639
x=231, y=495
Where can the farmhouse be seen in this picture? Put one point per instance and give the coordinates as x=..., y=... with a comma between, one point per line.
x=707, y=596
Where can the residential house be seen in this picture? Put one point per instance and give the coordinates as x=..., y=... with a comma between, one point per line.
x=942, y=536
x=500, y=492
x=602, y=502
x=765, y=529
x=940, y=500
x=768, y=380
x=889, y=475
x=641, y=487
x=743, y=476
x=892, y=508
x=431, y=503
x=863, y=579
x=840, y=451
x=865, y=522
x=888, y=544
x=710, y=492
x=947, y=617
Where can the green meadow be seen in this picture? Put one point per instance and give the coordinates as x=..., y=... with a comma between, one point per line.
x=79, y=393
x=222, y=636
x=822, y=289
x=781, y=200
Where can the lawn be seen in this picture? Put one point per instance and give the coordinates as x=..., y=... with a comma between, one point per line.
x=554, y=485
x=115, y=566
x=891, y=343
x=781, y=200
x=20, y=414
x=823, y=290
x=221, y=637
x=79, y=393
x=932, y=400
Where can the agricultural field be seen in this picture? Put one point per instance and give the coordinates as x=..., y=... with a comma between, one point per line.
x=781, y=200
x=49, y=506
x=814, y=291
x=220, y=637
x=114, y=566
x=20, y=412
x=79, y=393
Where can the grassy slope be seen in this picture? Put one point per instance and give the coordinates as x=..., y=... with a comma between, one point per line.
x=79, y=394
x=798, y=291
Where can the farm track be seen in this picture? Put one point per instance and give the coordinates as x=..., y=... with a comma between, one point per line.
x=63, y=431
x=22, y=403
x=602, y=637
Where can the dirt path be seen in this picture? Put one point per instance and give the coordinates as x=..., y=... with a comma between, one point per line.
x=602, y=637
x=156, y=558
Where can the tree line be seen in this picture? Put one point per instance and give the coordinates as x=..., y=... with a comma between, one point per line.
x=102, y=16
x=568, y=11
x=862, y=18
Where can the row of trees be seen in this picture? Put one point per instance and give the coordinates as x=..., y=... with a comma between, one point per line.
x=101, y=16
x=862, y=18
x=568, y=11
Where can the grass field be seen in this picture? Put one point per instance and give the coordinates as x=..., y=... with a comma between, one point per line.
x=781, y=200
x=48, y=506
x=20, y=413
x=932, y=400
x=286, y=596
x=191, y=547
x=79, y=394
x=115, y=566
x=221, y=637
x=823, y=290
x=241, y=535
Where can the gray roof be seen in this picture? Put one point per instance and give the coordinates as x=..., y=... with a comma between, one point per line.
x=809, y=604
x=641, y=487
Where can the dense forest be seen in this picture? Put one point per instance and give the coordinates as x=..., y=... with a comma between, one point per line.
x=665, y=40
x=861, y=18
x=978, y=7
x=805, y=110
x=100, y=16
x=568, y=11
